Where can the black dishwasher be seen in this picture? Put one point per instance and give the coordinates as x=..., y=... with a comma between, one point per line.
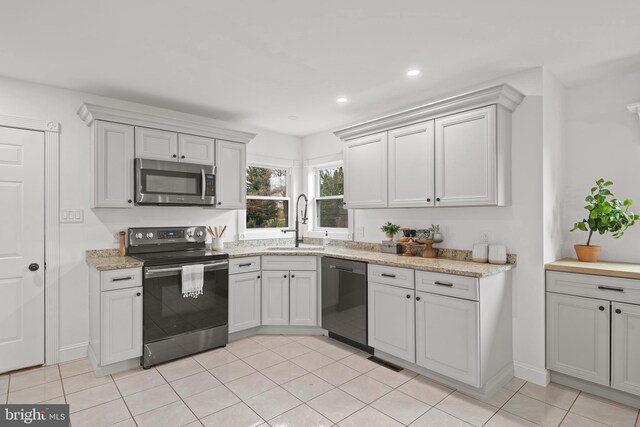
x=344, y=301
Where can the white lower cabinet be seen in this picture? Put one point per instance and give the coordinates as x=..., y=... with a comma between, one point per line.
x=275, y=297
x=244, y=301
x=578, y=337
x=121, y=324
x=115, y=324
x=625, y=347
x=447, y=336
x=303, y=300
x=391, y=320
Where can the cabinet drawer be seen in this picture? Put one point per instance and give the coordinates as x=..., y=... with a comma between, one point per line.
x=591, y=286
x=120, y=279
x=394, y=276
x=447, y=284
x=244, y=265
x=289, y=262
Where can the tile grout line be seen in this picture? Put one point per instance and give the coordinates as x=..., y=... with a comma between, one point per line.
x=124, y=401
x=178, y=394
x=501, y=408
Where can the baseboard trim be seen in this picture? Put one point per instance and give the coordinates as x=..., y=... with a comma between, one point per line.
x=277, y=330
x=531, y=373
x=73, y=352
x=596, y=389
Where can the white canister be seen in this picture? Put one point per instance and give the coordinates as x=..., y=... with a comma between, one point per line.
x=480, y=252
x=497, y=254
x=217, y=244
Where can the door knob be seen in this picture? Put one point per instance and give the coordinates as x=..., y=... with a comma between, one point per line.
x=34, y=267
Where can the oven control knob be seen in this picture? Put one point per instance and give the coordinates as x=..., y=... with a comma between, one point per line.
x=199, y=233
x=149, y=235
x=138, y=235
x=189, y=233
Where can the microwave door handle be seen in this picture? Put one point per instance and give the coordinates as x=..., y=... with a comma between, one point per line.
x=204, y=184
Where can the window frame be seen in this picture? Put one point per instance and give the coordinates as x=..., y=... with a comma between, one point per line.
x=341, y=232
x=270, y=232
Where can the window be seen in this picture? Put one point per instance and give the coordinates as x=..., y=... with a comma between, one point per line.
x=267, y=198
x=330, y=212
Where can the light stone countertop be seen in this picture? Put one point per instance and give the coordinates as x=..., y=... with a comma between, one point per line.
x=601, y=268
x=109, y=260
x=438, y=265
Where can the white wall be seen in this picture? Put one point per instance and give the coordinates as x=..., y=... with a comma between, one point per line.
x=517, y=226
x=602, y=141
x=100, y=225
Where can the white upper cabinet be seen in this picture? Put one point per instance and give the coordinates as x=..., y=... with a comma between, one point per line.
x=365, y=169
x=231, y=175
x=451, y=152
x=156, y=144
x=113, y=167
x=465, y=160
x=411, y=176
x=196, y=149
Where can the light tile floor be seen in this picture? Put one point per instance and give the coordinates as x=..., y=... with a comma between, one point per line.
x=295, y=381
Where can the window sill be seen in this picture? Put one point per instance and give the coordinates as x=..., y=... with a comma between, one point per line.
x=265, y=234
x=334, y=234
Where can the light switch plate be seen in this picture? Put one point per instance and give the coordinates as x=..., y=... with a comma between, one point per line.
x=72, y=215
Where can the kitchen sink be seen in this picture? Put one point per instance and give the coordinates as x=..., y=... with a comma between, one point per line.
x=294, y=249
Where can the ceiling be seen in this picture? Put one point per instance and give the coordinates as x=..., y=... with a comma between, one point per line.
x=259, y=62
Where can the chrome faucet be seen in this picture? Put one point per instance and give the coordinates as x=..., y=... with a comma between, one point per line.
x=298, y=240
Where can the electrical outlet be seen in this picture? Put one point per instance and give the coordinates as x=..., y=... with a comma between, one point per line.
x=359, y=231
x=72, y=215
x=484, y=236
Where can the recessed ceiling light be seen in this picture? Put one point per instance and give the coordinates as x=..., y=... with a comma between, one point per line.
x=342, y=100
x=413, y=73
x=293, y=117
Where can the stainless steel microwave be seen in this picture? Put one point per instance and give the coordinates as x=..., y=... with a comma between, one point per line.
x=161, y=182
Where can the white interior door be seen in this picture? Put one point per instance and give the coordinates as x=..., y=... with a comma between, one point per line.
x=21, y=245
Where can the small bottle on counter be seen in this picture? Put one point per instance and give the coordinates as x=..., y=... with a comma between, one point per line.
x=325, y=240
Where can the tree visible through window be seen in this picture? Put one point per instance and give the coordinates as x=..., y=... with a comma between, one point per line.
x=329, y=202
x=267, y=198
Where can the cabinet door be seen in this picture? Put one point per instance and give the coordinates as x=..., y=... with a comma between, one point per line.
x=365, y=172
x=391, y=320
x=625, y=347
x=113, y=174
x=465, y=153
x=411, y=179
x=156, y=144
x=303, y=298
x=275, y=297
x=231, y=175
x=196, y=149
x=244, y=301
x=578, y=337
x=447, y=337
x=121, y=325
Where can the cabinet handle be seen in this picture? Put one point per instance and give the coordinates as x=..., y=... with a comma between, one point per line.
x=344, y=203
x=174, y=156
x=610, y=288
x=129, y=201
x=285, y=276
x=437, y=199
x=601, y=308
x=248, y=264
x=408, y=296
x=138, y=294
x=219, y=203
x=258, y=277
x=293, y=275
x=182, y=157
x=618, y=311
x=120, y=279
x=393, y=276
x=444, y=284
x=428, y=199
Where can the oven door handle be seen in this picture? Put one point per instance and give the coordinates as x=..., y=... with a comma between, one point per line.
x=204, y=184
x=217, y=265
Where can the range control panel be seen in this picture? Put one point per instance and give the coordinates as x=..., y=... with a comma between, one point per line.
x=166, y=235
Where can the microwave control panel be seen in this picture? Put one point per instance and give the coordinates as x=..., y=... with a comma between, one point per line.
x=210, y=185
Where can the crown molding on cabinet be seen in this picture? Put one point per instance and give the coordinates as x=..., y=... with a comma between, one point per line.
x=503, y=95
x=196, y=125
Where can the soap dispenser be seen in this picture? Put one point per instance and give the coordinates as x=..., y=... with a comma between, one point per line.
x=325, y=240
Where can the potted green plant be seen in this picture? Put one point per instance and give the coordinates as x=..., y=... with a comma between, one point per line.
x=606, y=214
x=435, y=232
x=390, y=229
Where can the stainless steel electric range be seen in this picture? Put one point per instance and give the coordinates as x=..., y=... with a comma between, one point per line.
x=174, y=326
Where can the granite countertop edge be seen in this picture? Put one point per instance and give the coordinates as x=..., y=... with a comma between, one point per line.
x=103, y=260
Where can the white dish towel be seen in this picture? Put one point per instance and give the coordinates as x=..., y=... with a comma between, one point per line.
x=192, y=280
